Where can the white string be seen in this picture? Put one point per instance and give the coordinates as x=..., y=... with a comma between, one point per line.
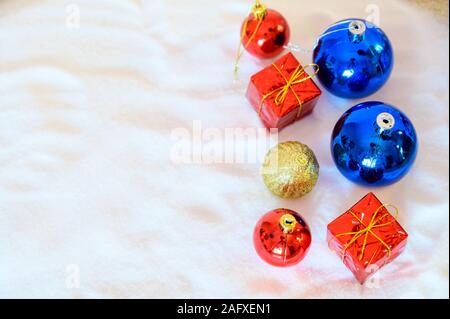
x=296, y=48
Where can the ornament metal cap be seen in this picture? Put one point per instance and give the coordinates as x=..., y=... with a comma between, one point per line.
x=385, y=121
x=259, y=11
x=357, y=29
x=288, y=223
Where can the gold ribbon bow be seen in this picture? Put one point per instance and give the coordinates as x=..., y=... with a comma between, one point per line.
x=374, y=223
x=297, y=77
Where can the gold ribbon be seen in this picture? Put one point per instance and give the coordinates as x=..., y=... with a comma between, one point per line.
x=374, y=223
x=259, y=13
x=297, y=77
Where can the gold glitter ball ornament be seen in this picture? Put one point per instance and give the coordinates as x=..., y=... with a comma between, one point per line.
x=290, y=170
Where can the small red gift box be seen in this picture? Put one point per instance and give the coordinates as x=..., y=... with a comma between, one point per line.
x=366, y=237
x=283, y=92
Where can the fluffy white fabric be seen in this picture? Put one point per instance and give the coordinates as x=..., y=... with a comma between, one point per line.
x=87, y=185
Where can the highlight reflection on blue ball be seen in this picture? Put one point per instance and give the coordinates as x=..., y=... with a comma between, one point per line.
x=355, y=58
x=374, y=144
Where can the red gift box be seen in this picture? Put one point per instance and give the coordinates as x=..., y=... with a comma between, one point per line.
x=366, y=237
x=283, y=92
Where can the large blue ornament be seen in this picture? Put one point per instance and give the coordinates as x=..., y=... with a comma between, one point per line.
x=355, y=58
x=374, y=144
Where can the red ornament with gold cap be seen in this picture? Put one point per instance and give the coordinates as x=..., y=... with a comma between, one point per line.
x=264, y=33
x=282, y=238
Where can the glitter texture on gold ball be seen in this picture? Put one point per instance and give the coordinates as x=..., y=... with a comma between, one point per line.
x=290, y=170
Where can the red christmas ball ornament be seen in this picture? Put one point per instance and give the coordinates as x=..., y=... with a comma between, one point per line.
x=265, y=32
x=282, y=238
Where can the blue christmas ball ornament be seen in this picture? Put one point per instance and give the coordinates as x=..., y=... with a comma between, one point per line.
x=374, y=144
x=355, y=58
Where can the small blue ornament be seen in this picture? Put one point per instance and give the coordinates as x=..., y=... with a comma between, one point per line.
x=374, y=144
x=355, y=58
